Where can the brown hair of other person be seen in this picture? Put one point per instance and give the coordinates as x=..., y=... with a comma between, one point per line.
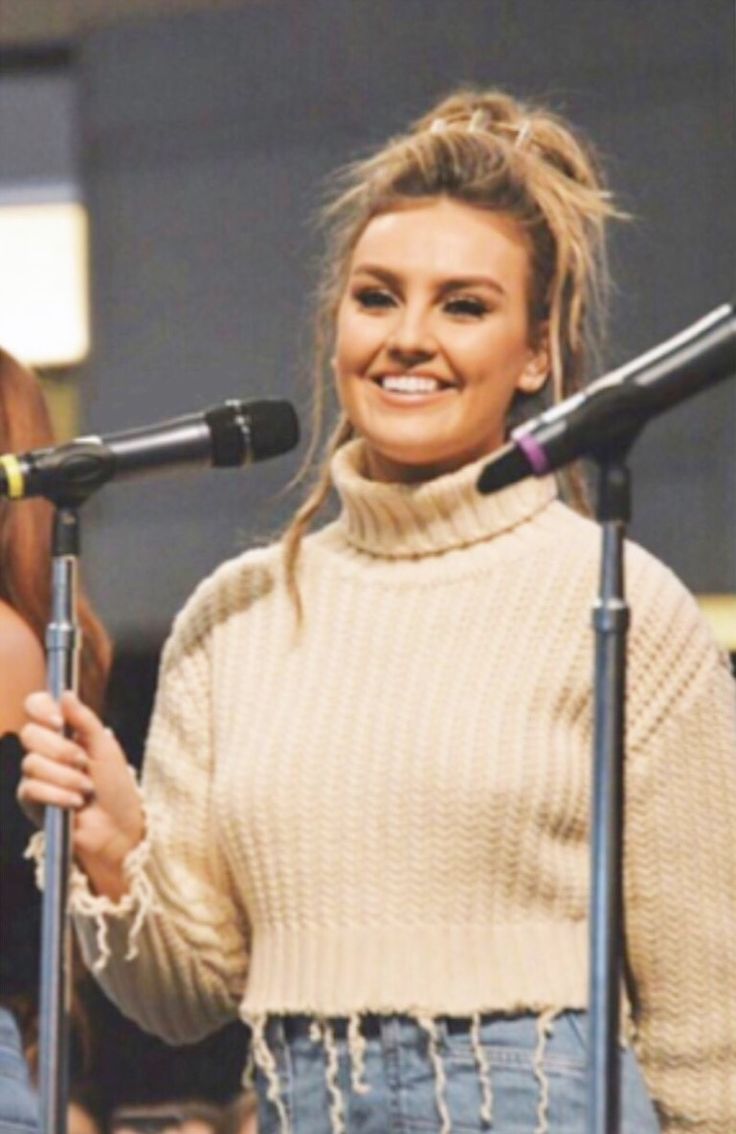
x=25, y=531
x=241, y=1115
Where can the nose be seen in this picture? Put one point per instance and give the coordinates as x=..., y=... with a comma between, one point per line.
x=410, y=339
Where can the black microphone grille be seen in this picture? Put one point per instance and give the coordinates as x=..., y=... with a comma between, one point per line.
x=274, y=427
x=254, y=431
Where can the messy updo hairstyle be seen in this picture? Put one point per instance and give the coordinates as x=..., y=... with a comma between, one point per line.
x=487, y=149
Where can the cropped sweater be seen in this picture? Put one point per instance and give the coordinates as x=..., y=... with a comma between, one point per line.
x=387, y=809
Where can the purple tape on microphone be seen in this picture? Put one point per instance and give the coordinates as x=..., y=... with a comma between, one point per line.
x=533, y=452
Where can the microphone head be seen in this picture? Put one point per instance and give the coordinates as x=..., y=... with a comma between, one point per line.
x=505, y=467
x=274, y=427
x=251, y=431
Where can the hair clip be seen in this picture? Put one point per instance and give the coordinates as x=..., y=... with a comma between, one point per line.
x=524, y=132
x=478, y=121
x=438, y=126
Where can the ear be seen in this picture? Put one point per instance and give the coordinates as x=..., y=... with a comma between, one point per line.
x=536, y=371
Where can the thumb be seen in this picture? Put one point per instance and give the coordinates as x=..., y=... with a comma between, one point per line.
x=88, y=728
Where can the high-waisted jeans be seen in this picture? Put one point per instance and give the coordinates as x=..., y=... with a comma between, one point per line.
x=18, y=1111
x=516, y=1075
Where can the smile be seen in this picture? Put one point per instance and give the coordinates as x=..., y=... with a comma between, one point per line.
x=412, y=385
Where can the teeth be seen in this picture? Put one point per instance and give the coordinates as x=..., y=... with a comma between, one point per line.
x=410, y=384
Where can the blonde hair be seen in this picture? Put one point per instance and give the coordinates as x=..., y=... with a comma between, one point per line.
x=495, y=152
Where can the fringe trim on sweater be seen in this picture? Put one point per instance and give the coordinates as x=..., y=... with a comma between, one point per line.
x=265, y=1061
x=321, y=1031
x=356, y=1047
x=337, y=1106
x=484, y=1071
x=429, y=1024
x=135, y=905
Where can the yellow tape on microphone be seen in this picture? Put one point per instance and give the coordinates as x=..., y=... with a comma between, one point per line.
x=14, y=475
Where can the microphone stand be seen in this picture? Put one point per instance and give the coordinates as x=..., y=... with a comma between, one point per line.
x=62, y=651
x=616, y=408
x=611, y=622
x=227, y=435
x=63, y=643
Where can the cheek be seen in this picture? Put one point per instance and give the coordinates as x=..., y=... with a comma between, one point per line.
x=497, y=356
x=357, y=339
x=345, y=331
x=345, y=358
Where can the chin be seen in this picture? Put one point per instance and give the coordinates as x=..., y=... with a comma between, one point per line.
x=413, y=462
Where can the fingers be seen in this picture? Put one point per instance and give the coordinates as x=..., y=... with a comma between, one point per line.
x=34, y=797
x=56, y=767
x=48, y=782
x=86, y=724
x=36, y=738
x=47, y=719
x=44, y=710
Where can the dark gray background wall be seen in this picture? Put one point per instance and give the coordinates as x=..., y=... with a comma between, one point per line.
x=207, y=140
x=38, y=140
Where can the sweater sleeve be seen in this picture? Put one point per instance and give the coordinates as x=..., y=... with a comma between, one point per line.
x=680, y=863
x=173, y=953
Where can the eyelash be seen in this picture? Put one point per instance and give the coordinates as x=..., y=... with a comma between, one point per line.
x=467, y=305
x=371, y=297
x=374, y=298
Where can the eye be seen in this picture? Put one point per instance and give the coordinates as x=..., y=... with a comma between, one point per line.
x=466, y=305
x=373, y=298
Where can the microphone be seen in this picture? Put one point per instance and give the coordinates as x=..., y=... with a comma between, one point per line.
x=604, y=419
x=226, y=435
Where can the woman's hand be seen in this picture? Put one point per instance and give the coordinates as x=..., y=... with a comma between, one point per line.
x=88, y=774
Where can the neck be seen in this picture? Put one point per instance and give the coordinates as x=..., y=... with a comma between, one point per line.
x=408, y=520
x=384, y=470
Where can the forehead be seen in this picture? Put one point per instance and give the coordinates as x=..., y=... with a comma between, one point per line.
x=441, y=237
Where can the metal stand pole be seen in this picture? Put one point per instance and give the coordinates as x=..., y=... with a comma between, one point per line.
x=611, y=621
x=62, y=645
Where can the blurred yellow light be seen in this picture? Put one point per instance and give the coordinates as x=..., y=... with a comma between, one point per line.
x=720, y=612
x=44, y=288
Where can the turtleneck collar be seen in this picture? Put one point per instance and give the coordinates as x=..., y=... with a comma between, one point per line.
x=401, y=521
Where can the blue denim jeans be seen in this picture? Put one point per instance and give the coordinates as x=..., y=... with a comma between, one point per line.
x=18, y=1109
x=512, y=1077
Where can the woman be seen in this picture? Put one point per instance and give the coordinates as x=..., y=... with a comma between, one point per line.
x=368, y=774
x=25, y=593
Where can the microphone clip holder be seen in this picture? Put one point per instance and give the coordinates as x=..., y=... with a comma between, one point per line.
x=70, y=474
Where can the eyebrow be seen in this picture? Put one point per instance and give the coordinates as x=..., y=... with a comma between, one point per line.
x=453, y=284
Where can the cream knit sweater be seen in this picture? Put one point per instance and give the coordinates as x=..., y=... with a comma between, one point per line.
x=388, y=811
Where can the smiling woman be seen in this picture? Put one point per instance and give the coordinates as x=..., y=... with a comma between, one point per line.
x=521, y=182
x=365, y=819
